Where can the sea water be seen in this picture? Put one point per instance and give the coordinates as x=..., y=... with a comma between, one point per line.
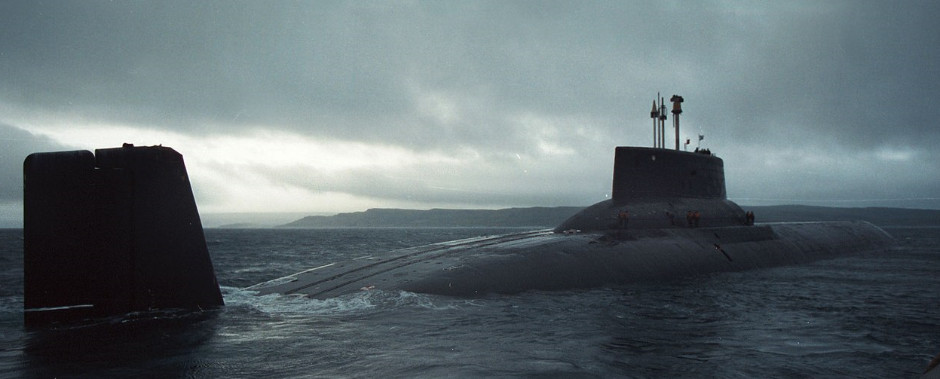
x=868, y=315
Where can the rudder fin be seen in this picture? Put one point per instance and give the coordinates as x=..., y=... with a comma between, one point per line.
x=112, y=232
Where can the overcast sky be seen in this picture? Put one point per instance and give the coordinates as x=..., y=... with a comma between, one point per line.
x=333, y=106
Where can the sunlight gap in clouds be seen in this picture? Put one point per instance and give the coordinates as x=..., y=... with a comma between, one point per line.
x=224, y=169
x=263, y=146
x=889, y=153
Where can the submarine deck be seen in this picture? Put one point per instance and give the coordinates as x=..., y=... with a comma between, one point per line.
x=545, y=260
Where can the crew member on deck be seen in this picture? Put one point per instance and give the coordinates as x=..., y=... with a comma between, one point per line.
x=623, y=219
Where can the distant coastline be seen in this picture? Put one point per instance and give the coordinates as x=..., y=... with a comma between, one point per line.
x=548, y=217
x=536, y=217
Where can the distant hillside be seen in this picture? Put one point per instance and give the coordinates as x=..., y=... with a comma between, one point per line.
x=877, y=216
x=548, y=217
x=511, y=217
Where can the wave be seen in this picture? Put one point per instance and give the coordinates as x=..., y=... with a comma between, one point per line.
x=365, y=301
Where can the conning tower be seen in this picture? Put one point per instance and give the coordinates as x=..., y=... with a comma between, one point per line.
x=658, y=187
x=651, y=173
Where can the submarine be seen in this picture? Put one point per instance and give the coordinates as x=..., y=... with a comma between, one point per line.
x=118, y=231
x=668, y=217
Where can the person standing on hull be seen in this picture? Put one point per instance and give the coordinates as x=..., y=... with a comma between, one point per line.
x=623, y=220
x=692, y=218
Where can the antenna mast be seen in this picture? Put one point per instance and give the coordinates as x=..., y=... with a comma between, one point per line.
x=662, y=121
x=676, y=111
x=654, y=114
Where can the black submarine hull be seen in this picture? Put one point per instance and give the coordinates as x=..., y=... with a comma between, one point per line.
x=546, y=260
x=668, y=217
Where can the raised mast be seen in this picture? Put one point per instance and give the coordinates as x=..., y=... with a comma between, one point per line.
x=658, y=114
x=654, y=114
x=662, y=121
x=676, y=110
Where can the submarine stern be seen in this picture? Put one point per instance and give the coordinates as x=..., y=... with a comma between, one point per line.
x=110, y=233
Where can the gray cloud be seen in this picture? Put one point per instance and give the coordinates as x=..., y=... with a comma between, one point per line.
x=827, y=78
x=15, y=145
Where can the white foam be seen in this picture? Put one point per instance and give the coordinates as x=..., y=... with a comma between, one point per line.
x=355, y=303
x=285, y=304
x=11, y=304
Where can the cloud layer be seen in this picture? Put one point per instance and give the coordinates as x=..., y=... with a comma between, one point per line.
x=483, y=103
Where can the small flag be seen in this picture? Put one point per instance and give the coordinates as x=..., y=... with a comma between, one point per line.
x=701, y=137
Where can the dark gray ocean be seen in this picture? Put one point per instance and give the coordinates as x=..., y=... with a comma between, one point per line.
x=872, y=315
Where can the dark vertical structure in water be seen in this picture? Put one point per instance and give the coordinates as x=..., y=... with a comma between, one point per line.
x=112, y=232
